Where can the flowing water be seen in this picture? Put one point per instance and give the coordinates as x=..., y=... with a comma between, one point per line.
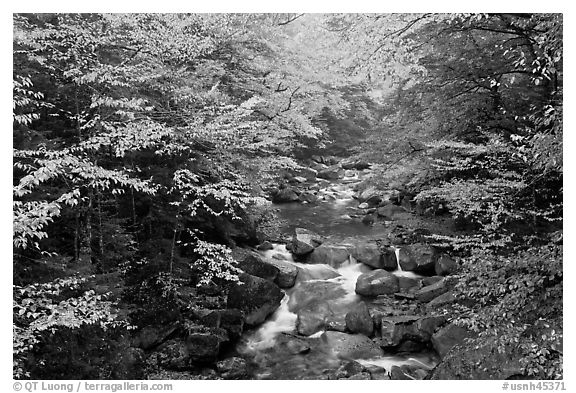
x=271, y=346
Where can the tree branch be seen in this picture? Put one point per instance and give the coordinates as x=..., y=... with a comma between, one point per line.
x=290, y=20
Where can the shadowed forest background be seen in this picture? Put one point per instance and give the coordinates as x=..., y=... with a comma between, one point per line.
x=152, y=153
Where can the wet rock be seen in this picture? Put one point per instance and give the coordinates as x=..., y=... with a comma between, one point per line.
x=292, y=344
x=313, y=317
x=232, y=368
x=377, y=282
x=371, y=196
x=316, y=272
x=360, y=321
x=395, y=329
x=426, y=327
x=448, y=337
x=445, y=265
x=251, y=263
x=411, y=346
x=336, y=322
x=299, y=179
x=308, y=197
x=287, y=273
x=361, y=376
x=369, y=254
x=285, y=195
x=256, y=297
x=329, y=254
x=396, y=373
x=419, y=258
x=314, y=291
x=363, y=205
x=265, y=246
x=390, y=212
x=429, y=292
x=304, y=241
x=351, y=346
x=349, y=369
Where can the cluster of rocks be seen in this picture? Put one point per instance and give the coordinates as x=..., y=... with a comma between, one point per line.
x=304, y=184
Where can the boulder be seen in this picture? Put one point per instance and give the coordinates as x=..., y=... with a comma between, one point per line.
x=308, y=196
x=360, y=321
x=304, y=241
x=265, y=246
x=129, y=363
x=292, y=344
x=431, y=280
x=427, y=326
x=351, y=346
x=408, y=283
x=330, y=254
x=447, y=337
x=231, y=320
x=203, y=348
x=419, y=258
x=152, y=335
x=395, y=329
x=442, y=300
x=371, y=196
x=256, y=297
x=285, y=195
x=313, y=317
x=331, y=173
x=287, y=273
x=390, y=212
x=396, y=373
x=369, y=254
x=251, y=263
x=377, y=282
x=357, y=164
x=429, y=292
x=445, y=265
x=173, y=355
x=233, y=368
x=363, y=205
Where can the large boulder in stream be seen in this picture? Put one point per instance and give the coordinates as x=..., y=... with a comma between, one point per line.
x=251, y=263
x=359, y=320
x=304, y=241
x=256, y=297
x=351, y=346
x=418, y=258
x=330, y=254
x=377, y=282
x=287, y=273
x=369, y=254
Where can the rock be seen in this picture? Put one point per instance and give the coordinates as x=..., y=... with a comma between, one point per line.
x=292, y=344
x=203, y=347
x=429, y=292
x=129, y=363
x=233, y=368
x=406, y=203
x=151, y=336
x=419, y=258
x=363, y=205
x=251, y=263
x=390, y=212
x=265, y=246
x=336, y=322
x=316, y=272
x=431, y=280
x=395, y=329
x=408, y=283
x=377, y=282
x=371, y=196
x=331, y=173
x=360, y=321
x=445, y=265
x=308, y=196
x=349, y=369
x=351, y=346
x=411, y=346
x=285, y=195
x=256, y=297
x=314, y=291
x=369, y=254
x=442, y=300
x=287, y=273
x=427, y=326
x=299, y=179
x=173, y=355
x=329, y=254
x=357, y=164
x=231, y=320
x=368, y=219
x=396, y=373
x=361, y=376
x=304, y=241
x=312, y=318
x=447, y=337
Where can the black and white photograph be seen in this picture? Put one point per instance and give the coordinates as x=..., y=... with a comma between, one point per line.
x=287, y=196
